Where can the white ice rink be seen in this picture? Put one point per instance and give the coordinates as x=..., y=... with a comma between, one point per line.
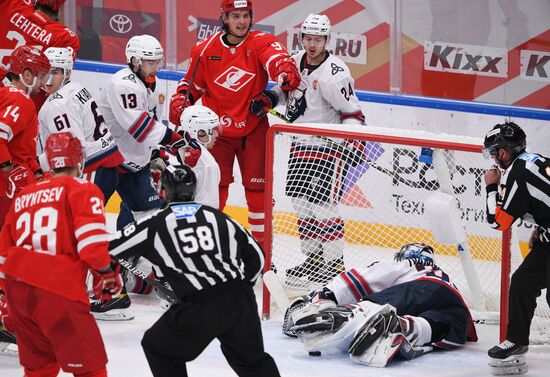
x=126, y=359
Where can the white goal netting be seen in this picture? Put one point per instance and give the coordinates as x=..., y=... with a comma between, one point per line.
x=339, y=204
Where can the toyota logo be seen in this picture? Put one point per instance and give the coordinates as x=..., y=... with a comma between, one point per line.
x=120, y=23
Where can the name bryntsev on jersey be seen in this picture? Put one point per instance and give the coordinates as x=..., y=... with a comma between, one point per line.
x=73, y=109
x=130, y=112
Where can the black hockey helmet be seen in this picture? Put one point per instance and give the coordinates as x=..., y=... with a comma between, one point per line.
x=419, y=253
x=508, y=135
x=178, y=183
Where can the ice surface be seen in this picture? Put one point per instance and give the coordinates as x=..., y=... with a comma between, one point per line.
x=126, y=359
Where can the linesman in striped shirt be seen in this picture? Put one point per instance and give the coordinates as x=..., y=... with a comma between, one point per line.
x=522, y=191
x=211, y=263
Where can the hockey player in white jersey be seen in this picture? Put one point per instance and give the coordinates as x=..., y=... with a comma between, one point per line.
x=71, y=107
x=317, y=168
x=129, y=106
x=398, y=308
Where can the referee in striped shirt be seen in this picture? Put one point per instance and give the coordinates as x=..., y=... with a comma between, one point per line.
x=523, y=191
x=211, y=263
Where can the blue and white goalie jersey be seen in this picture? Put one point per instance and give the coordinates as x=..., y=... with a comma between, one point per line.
x=129, y=108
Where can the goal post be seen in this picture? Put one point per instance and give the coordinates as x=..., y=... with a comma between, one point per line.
x=359, y=209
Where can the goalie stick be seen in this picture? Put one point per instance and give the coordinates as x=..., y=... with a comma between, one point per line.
x=162, y=287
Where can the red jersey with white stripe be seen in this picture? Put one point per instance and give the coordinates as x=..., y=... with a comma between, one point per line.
x=54, y=231
x=18, y=128
x=20, y=25
x=228, y=77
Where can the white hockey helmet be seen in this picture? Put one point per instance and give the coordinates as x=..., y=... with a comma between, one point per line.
x=196, y=118
x=144, y=47
x=316, y=24
x=60, y=57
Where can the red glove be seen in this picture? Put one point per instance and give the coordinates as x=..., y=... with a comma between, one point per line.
x=107, y=284
x=287, y=75
x=187, y=150
x=4, y=316
x=18, y=178
x=263, y=102
x=177, y=104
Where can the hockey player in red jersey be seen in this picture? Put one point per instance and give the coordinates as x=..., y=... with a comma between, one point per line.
x=19, y=124
x=55, y=230
x=227, y=70
x=21, y=24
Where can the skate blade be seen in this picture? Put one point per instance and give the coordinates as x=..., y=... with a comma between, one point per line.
x=9, y=349
x=510, y=366
x=114, y=315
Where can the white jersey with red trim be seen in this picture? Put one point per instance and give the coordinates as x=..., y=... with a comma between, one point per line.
x=72, y=108
x=129, y=109
x=354, y=284
x=325, y=95
x=207, y=172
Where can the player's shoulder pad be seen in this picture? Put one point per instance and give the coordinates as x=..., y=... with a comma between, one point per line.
x=61, y=97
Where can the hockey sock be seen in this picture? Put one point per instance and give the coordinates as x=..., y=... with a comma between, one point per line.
x=224, y=193
x=50, y=370
x=96, y=373
x=256, y=216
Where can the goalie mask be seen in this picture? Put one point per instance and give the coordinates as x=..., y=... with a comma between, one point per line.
x=178, y=183
x=419, y=253
x=200, y=122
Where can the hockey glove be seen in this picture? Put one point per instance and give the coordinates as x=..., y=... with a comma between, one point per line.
x=4, y=316
x=18, y=178
x=177, y=104
x=187, y=150
x=287, y=75
x=355, y=152
x=263, y=102
x=107, y=283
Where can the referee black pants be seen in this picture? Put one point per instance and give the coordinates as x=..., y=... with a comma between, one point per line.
x=186, y=329
x=530, y=278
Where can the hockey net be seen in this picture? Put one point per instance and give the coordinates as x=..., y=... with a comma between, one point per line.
x=335, y=208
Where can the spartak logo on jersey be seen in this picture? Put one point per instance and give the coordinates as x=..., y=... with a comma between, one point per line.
x=234, y=78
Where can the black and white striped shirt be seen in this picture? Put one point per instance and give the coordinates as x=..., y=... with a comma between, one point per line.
x=196, y=247
x=524, y=192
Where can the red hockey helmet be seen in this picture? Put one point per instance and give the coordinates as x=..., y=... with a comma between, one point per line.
x=231, y=5
x=63, y=150
x=54, y=5
x=26, y=57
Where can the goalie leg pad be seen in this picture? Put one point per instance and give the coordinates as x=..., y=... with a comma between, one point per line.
x=346, y=320
x=512, y=365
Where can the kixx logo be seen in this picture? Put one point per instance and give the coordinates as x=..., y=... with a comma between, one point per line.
x=535, y=65
x=467, y=59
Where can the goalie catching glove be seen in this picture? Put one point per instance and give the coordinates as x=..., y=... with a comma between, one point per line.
x=107, y=283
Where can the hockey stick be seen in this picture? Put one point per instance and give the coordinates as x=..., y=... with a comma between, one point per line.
x=277, y=291
x=162, y=287
x=192, y=79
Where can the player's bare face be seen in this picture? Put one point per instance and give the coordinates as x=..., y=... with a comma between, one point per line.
x=203, y=137
x=314, y=46
x=149, y=69
x=54, y=81
x=41, y=79
x=238, y=22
